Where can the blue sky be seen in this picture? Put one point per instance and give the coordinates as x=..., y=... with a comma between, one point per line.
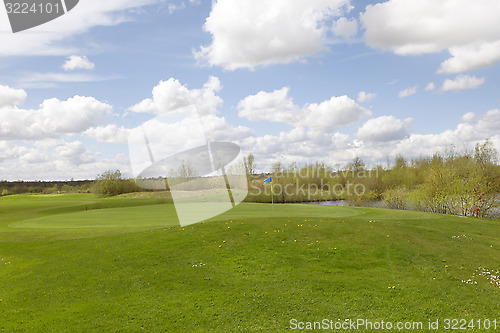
x=301, y=81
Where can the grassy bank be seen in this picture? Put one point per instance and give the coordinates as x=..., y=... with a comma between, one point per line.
x=128, y=266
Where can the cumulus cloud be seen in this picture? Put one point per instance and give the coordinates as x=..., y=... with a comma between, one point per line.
x=54, y=117
x=274, y=106
x=267, y=32
x=8, y=151
x=86, y=15
x=171, y=95
x=77, y=62
x=278, y=106
x=363, y=97
x=384, y=129
x=378, y=138
x=475, y=127
x=345, y=28
x=11, y=97
x=462, y=82
x=109, y=133
x=472, y=56
x=74, y=153
x=407, y=92
x=467, y=29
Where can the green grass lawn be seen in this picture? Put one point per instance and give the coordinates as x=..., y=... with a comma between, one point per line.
x=129, y=267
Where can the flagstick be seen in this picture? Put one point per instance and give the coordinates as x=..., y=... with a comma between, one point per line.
x=272, y=199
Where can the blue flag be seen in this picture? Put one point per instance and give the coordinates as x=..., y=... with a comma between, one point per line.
x=268, y=180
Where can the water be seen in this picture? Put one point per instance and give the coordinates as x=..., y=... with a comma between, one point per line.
x=344, y=203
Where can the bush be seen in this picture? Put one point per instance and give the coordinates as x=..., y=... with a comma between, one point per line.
x=111, y=183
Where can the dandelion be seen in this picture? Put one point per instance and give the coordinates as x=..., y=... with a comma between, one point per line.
x=223, y=241
x=220, y=245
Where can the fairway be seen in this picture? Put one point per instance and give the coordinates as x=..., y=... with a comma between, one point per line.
x=70, y=263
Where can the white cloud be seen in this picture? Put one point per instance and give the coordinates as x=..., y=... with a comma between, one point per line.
x=468, y=29
x=74, y=153
x=469, y=117
x=11, y=97
x=475, y=127
x=77, y=62
x=277, y=106
x=430, y=86
x=471, y=56
x=384, y=129
x=171, y=95
x=345, y=28
x=266, y=32
x=334, y=113
x=363, y=97
x=109, y=133
x=8, y=151
x=53, y=118
x=407, y=92
x=50, y=80
x=462, y=82
x=380, y=138
x=54, y=37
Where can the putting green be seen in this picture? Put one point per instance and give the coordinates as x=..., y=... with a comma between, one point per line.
x=126, y=217
x=153, y=216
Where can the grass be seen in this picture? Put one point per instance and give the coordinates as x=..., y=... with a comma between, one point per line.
x=65, y=266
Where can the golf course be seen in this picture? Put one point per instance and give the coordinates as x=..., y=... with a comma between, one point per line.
x=76, y=263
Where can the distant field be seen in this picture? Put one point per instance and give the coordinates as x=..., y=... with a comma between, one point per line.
x=80, y=264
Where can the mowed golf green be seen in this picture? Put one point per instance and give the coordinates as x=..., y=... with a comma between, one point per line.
x=80, y=264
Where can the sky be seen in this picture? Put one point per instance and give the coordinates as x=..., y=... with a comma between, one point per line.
x=286, y=80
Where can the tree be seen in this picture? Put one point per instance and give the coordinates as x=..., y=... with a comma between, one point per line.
x=250, y=164
x=356, y=165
